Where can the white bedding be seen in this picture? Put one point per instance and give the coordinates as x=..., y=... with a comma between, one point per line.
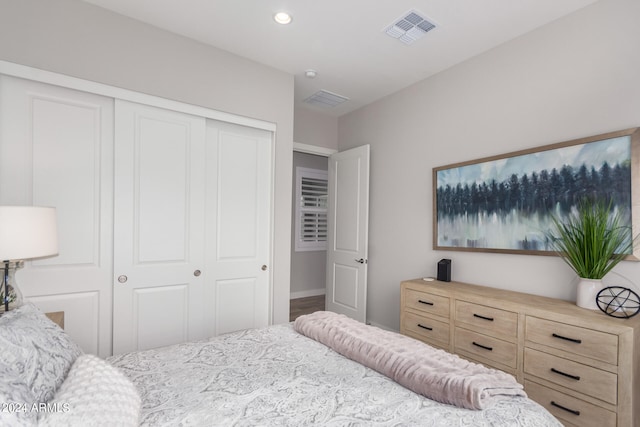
x=275, y=376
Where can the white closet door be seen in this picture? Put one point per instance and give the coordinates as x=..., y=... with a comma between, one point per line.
x=238, y=227
x=159, y=227
x=56, y=149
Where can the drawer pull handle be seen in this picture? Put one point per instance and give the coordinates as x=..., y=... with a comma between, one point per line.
x=567, y=339
x=425, y=302
x=490, y=319
x=573, y=377
x=482, y=346
x=425, y=327
x=573, y=411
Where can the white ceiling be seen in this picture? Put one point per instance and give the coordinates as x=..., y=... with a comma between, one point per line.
x=344, y=41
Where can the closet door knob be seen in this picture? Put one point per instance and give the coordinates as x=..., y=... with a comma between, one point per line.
x=122, y=278
x=197, y=273
x=264, y=267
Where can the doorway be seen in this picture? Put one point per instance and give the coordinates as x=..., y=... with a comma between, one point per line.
x=346, y=184
x=308, y=266
x=308, y=233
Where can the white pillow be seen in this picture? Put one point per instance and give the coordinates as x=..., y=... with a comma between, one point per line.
x=93, y=394
x=17, y=400
x=35, y=350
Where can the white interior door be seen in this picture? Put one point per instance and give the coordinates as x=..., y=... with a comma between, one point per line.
x=348, y=221
x=56, y=149
x=238, y=227
x=158, y=227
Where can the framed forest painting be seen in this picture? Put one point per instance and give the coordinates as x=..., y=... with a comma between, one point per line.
x=505, y=203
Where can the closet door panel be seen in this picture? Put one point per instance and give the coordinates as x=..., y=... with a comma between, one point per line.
x=162, y=193
x=159, y=227
x=236, y=304
x=239, y=189
x=155, y=328
x=65, y=138
x=238, y=207
x=56, y=149
x=81, y=316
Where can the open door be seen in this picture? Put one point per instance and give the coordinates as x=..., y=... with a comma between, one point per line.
x=347, y=240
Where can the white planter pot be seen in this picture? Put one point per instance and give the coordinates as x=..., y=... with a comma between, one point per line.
x=587, y=291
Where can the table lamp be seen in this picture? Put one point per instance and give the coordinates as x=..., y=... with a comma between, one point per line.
x=26, y=232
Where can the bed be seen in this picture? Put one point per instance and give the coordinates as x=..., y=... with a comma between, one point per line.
x=259, y=377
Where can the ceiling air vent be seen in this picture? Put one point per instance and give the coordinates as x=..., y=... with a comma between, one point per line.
x=324, y=98
x=409, y=27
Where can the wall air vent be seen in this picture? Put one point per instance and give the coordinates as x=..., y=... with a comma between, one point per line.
x=410, y=27
x=324, y=98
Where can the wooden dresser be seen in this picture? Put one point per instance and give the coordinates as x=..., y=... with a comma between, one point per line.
x=582, y=365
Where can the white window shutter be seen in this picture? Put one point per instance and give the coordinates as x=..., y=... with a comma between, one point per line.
x=311, y=209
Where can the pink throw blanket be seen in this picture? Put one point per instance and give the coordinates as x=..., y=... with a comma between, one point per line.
x=434, y=373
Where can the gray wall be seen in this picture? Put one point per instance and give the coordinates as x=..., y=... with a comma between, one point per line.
x=575, y=77
x=308, y=268
x=314, y=128
x=81, y=40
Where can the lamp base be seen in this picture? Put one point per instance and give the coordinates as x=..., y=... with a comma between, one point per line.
x=9, y=287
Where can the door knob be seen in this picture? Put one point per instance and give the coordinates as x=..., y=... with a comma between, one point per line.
x=264, y=267
x=360, y=261
x=197, y=273
x=122, y=278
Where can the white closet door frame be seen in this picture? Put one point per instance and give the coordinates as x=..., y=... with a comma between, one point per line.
x=22, y=71
x=43, y=76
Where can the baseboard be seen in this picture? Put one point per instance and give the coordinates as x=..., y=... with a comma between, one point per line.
x=309, y=293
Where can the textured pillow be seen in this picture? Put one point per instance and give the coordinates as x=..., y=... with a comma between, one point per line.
x=94, y=394
x=16, y=399
x=35, y=350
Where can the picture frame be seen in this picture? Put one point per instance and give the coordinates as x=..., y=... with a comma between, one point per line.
x=503, y=203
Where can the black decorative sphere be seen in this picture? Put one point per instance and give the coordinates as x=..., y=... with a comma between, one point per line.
x=617, y=301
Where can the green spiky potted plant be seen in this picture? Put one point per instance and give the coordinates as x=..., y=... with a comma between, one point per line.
x=591, y=240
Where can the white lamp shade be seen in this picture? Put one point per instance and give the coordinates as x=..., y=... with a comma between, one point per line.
x=27, y=232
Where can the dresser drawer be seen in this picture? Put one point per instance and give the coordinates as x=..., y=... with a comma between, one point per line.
x=574, y=339
x=488, y=320
x=575, y=376
x=569, y=409
x=489, y=364
x=428, y=303
x=426, y=328
x=485, y=346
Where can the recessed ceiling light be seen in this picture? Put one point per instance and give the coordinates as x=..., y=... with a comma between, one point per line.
x=282, y=18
